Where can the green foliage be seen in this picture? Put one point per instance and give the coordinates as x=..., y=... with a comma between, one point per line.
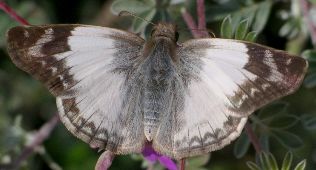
x=271, y=122
x=267, y=161
x=310, y=80
x=286, y=124
x=143, y=9
x=256, y=12
x=198, y=163
x=293, y=25
x=239, y=32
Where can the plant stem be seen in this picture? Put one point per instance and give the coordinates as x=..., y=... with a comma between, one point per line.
x=306, y=6
x=105, y=160
x=190, y=23
x=201, y=14
x=182, y=164
x=253, y=138
x=12, y=13
x=39, y=138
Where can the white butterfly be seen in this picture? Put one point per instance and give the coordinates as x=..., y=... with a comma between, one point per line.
x=117, y=91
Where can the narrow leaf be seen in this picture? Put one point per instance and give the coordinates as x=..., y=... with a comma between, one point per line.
x=262, y=16
x=286, y=29
x=264, y=161
x=226, y=28
x=272, y=162
x=252, y=166
x=301, y=165
x=273, y=110
x=309, y=121
x=287, y=161
x=251, y=36
x=264, y=141
x=310, y=80
x=283, y=122
x=241, y=145
x=197, y=162
x=309, y=55
x=242, y=30
x=287, y=139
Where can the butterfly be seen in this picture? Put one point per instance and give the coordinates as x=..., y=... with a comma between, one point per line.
x=118, y=92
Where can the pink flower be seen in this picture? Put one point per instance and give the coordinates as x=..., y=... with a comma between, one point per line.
x=152, y=156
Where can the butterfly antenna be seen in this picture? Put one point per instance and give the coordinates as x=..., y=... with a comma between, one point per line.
x=210, y=32
x=127, y=13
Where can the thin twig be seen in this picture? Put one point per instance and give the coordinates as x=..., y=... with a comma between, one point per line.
x=201, y=14
x=182, y=164
x=39, y=138
x=253, y=138
x=12, y=13
x=105, y=160
x=306, y=6
x=190, y=23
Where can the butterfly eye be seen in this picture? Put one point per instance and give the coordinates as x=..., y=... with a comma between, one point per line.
x=177, y=36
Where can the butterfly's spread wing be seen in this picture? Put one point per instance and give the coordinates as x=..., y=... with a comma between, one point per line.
x=86, y=68
x=223, y=81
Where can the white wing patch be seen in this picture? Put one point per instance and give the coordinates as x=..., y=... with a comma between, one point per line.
x=86, y=67
x=99, y=92
x=230, y=80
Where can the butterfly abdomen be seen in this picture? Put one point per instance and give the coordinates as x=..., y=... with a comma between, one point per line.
x=157, y=77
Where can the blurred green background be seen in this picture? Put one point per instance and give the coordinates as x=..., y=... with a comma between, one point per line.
x=288, y=124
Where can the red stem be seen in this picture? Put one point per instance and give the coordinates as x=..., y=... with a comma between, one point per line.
x=190, y=23
x=201, y=14
x=39, y=138
x=306, y=6
x=105, y=161
x=12, y=13
x=182, y=164
x=253, y=138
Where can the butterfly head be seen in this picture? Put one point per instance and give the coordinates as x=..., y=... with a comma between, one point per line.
x=165, y=31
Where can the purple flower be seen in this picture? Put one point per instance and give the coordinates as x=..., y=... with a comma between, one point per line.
x=152, y=156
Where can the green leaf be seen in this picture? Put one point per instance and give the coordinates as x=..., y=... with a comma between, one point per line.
x=309, y=121
x=198, y=162
x=251, y=36
x=133, y=6
x=262, y=16
x=310, y=80
x=272, y=162
x=219, y=12
x=284, y=121
x=309, y=55
x=313, y=2
x=264, y=161
x=273, y=110
x=264, y=141
x=287, y=161
x=253, y=166
x=242, y=30
x=287, y=28
x=287, y=139
x=138, y=24
x=227, y=28
x=241, y=145
x=268, y=161
x=301, y=165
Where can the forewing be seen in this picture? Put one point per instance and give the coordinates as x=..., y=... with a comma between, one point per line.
x=223, y=81
x=88, y=69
